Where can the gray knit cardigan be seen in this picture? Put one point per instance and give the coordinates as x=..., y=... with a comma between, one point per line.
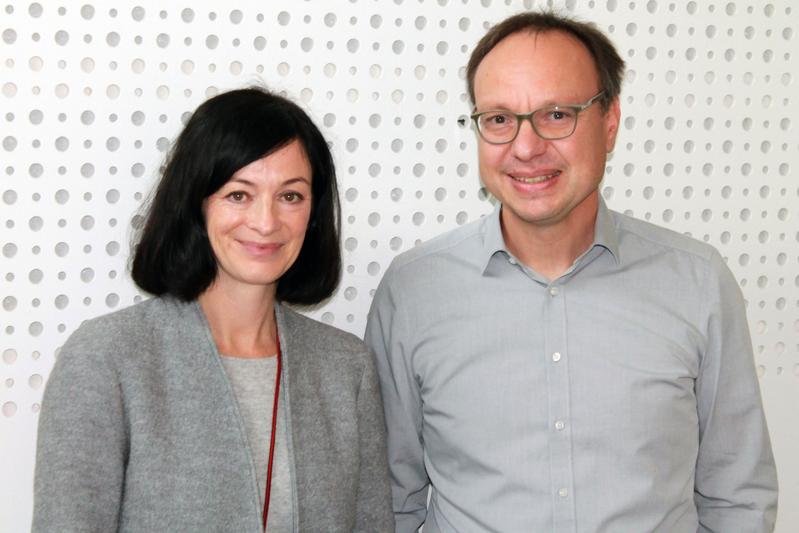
x=140, y=431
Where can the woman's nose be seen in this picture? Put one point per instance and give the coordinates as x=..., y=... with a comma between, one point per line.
x=262, y=217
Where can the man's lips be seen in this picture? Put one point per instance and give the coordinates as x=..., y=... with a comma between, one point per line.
x=533, y=178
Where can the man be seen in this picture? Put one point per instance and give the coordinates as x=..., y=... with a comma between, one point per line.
x=557, y=366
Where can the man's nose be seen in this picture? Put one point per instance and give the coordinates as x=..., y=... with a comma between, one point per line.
x=527, y=143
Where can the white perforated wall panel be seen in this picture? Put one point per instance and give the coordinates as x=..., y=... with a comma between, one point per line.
x=93, y=93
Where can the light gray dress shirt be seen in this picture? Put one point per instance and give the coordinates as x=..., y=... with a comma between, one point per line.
x=620, y=397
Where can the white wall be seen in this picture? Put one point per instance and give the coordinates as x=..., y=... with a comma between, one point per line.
x=93, y=92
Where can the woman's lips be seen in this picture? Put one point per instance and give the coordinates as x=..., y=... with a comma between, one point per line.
x=257, y=248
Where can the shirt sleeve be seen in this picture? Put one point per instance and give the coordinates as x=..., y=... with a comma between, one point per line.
x=81, y=450
x=388, y=336
x=736, y=479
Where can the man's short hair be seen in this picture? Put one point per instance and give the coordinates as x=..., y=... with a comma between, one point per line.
x=227, y=132
x=609, y=65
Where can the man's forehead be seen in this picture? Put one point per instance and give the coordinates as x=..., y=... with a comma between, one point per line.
x=552, y=61
x=538, y=41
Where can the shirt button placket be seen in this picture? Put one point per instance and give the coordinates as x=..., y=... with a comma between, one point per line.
x=560, y=433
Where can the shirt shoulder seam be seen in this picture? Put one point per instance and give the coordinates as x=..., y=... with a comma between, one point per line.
x=435, y=246
x=698, y=249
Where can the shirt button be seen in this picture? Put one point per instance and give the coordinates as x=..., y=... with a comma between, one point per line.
x=511, y=260
x=553, y=291
x=563, y=493
x=559, y=425
x=556, y=356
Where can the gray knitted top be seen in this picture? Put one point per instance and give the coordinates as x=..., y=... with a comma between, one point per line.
x=139, y=430
x=253, y=382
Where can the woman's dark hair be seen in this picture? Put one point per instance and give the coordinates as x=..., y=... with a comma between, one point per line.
x=227, y=132
x=609, y=64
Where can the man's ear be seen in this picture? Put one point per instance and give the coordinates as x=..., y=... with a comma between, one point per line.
x=612, y=118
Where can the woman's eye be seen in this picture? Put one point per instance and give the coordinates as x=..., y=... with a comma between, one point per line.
x=292, y=197
x=237, y=196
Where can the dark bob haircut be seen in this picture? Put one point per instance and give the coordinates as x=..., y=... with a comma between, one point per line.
x=609, y=65
x=227, y=132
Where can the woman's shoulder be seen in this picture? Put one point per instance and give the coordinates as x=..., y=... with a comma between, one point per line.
x=132, y=326
x=317, y=336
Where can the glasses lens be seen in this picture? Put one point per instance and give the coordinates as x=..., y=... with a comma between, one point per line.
x=497, y=126
x=555, y=122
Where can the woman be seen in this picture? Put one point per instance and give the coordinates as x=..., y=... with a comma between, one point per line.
x=212, y=406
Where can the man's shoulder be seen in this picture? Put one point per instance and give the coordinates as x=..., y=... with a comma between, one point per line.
x=659, y=239
x=462, y=243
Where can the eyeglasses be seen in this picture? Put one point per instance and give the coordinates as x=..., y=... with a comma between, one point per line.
x=500, y=126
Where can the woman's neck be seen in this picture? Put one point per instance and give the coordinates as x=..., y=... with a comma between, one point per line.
x=242, y=322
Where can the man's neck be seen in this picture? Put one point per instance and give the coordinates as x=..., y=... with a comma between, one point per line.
x=551, y=249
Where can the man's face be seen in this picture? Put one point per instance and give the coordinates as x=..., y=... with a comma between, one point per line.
x=541, y=182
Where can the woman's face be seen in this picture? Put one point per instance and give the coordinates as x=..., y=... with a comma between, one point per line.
x=256, y=222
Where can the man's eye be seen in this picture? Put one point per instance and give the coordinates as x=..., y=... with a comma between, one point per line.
x=497, y=119
x=557, y=115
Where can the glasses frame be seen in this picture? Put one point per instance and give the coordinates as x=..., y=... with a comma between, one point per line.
x=521, y=117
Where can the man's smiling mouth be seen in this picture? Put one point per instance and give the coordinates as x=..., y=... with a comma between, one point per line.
x=535, y=179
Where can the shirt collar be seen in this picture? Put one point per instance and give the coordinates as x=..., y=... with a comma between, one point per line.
x=605, y=234
x=493, y=242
